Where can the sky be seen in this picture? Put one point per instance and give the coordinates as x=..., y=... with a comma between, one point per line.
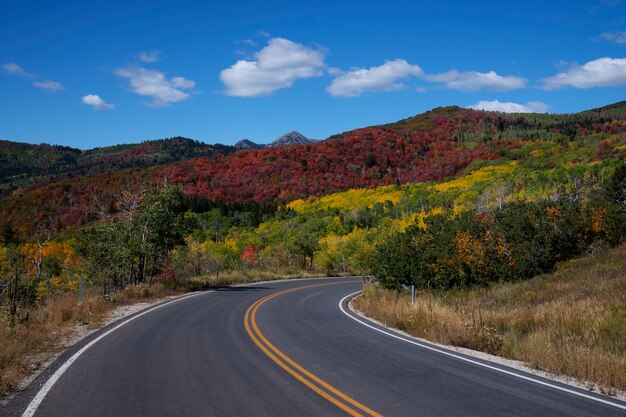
x=98, y=73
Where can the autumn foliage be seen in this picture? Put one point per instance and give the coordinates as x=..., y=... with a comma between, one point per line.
x=429, y=147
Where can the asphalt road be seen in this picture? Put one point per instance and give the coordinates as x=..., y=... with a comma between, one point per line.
x=283, y=349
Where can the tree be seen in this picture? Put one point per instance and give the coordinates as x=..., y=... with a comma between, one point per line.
x=250, y=255
x=397, y=260
x=12, y=266
x=616, y=188
x=132, y=246
x=303, y=237
x=220, y=256
x=157, y=227
x=360, y=250
x=108, y=254
x=37, y=256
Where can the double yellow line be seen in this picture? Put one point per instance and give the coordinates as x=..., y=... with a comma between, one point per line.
x=332, y=394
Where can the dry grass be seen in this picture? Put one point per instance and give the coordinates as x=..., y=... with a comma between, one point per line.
x=241, y=277
x=572, y=322
x=45, y=330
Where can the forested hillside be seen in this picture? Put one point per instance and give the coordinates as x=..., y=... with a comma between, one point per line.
x=23, y=165
x=429, y=147
x=337, y=205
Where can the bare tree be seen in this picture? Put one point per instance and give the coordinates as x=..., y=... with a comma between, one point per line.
x=44, y=236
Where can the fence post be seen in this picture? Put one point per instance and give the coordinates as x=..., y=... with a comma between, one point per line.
x=80, y=290
x=80, y=298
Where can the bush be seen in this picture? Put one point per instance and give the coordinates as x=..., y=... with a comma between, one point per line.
x=516, y=242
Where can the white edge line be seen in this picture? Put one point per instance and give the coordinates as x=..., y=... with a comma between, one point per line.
x=484, y=365
x=36, y=401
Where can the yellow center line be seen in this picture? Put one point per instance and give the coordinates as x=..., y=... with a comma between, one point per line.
x=304, y=376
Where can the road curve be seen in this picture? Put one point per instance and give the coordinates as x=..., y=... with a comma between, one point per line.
x=283, y=349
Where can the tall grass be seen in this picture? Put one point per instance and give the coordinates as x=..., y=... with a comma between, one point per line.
x=571, y=322
x=206, y=282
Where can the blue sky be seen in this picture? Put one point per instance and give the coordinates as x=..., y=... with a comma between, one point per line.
x=88, y=74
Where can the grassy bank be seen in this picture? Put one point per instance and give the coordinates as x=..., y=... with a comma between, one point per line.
x=206, y=282
x=572, y=322
x=47, y=328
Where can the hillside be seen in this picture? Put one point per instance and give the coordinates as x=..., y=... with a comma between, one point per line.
x=432, y=146
x=23, y=164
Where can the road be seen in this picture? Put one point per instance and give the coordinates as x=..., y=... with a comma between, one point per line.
x=282, y=349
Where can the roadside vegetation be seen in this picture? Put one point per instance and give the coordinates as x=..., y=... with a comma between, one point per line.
x=571, y=322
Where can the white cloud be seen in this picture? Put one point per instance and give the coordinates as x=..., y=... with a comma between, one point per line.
x=149, y=56
x=96, y=102
x=617, y=37
x=274, y=67
x=603, y=72
x=49, y=85
x=182, y=83
x=13, y=68
x=154, y=84
x=508, y=107
x=335, y=72
x=474, y=81
x=248, y=42
x=382, y=78
x=386, y=77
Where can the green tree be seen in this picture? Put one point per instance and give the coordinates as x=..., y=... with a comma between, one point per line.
x=157, y=228
x=13, y=270
x=132, y=246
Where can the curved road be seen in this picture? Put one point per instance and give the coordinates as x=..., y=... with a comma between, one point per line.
x=284, y=348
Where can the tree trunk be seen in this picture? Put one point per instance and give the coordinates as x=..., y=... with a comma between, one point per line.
x=14, y=285
x=141, y=269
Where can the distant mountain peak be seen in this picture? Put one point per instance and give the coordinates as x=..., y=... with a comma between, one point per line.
x=248, y=144
x=292, y=138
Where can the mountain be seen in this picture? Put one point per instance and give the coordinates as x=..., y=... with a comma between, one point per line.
x=292, y=138
x=248, y=144
x=23, y=164
x=429, y=147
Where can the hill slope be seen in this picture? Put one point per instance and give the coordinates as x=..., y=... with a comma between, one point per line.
x=23, y=164
x=428, y=147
